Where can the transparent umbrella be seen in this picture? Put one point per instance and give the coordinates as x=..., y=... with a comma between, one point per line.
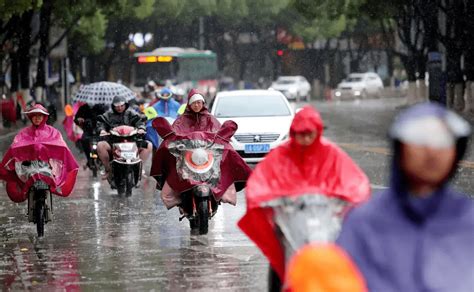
x=102, y=93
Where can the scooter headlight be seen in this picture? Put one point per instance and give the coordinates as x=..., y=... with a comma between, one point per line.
x=199, y=160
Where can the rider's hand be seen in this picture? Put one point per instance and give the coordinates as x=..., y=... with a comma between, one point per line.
x=103, y=133
x=141, y=131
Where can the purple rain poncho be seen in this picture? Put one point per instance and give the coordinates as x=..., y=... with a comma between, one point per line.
x=403, y=243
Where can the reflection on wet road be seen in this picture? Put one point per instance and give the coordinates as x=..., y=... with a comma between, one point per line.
x=101, y=241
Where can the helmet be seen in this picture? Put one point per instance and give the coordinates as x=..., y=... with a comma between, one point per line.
x=165, y=93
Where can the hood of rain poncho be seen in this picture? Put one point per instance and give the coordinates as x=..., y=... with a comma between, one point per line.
x=190, y=121
x=228, y=169
x=402, y=130
x=119, y=99
x=163, y=108
x=43, y=143
x=292, y=170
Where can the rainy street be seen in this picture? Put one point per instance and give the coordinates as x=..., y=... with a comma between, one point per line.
x=99, y=241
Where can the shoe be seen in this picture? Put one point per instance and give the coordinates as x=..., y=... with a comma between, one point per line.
x=104, y=175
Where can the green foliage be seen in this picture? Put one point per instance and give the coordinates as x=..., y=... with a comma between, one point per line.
x=320, y=28
x=91, y=32
x=138, y=9
x=8, y=8
x=144, y=9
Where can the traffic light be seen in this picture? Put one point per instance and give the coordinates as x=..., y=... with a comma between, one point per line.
x=280, y=53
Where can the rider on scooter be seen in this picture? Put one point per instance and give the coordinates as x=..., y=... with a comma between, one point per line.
x=119, y=115
x=86, y=118
x=166, y=106
x=39, y=142
x=308, y=165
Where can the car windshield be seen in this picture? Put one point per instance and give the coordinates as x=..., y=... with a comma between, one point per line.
x=251, y=106
x=353, y=79
x=286, y=81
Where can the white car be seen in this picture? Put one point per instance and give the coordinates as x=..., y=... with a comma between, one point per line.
x=263, y=116
x=360, y=85
x=293, y=87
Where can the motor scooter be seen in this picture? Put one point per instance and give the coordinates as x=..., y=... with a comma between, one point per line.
x=301, y=220
x=126, y=165
x=40, y=201
x=199, y=161
x=94, y=163
x=197, y=171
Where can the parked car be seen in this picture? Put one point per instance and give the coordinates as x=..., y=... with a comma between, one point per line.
x=293, y=87
x=360, y=85
x=263, y=116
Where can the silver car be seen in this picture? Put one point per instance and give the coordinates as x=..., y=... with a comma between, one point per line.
x=360, y=85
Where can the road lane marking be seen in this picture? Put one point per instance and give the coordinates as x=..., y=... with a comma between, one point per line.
x=388, y=152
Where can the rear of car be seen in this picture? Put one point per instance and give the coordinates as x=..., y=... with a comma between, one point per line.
x=263, y=118
x=293, y=87
x=360, y=85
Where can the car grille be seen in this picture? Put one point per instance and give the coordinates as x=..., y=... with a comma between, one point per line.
x=256, y=138
x=251, y=155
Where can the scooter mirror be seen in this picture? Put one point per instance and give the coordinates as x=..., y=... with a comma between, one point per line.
x=162, y=126
x=227, y=130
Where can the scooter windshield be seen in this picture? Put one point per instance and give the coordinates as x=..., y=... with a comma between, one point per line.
x=197, y=160
x=305, y=219
x=26, y=169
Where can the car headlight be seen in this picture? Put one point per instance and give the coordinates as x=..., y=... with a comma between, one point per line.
x=338, y=93
x=285, y=137
x=357, y=92
x=293, y=90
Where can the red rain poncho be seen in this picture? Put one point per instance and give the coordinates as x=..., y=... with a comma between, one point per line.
x=291, y=170
x=233, y=170
x=190, y=121
x=43, y=143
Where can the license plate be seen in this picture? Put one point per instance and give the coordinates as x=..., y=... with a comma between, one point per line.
x=257, y=148
x=128, y=155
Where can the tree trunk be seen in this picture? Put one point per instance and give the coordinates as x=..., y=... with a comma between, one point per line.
x=455, y=78
x=450, y=95
x=421, y=95
x=45, y=20
x=409, y=62
x=469, y=106
x=24, y=53
x=15, y=72
x=469, y=56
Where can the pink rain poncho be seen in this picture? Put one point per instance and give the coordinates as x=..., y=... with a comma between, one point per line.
x=43, y=143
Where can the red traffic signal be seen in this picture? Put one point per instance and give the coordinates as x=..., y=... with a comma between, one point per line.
x=280, y=53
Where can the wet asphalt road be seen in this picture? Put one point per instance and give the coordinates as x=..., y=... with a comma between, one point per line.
x=99, y=241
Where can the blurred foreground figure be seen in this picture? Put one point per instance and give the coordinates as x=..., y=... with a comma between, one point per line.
x=323, y=268
x=418, y=235
x=299, y=193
